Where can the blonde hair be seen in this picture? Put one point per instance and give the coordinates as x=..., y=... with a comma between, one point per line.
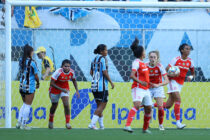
x=157, y=53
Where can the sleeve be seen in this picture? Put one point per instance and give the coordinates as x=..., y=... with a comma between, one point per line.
x=46, y=63
x=56, y=74
x=192, y=69
x=162, y=70
x=135, y=65
x=192, y=64
x=103, y=64
x=173, y=62
x=34, y=66
x=73, y=75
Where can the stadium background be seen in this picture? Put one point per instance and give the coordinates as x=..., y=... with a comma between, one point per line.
x=162, y=30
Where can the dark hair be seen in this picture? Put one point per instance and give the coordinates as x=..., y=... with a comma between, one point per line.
x=136, y=48
x=100, y=48
x=182, y=46
x=26, y=53
x=65, y=61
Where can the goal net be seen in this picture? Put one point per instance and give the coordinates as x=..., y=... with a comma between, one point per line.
x=73, y=32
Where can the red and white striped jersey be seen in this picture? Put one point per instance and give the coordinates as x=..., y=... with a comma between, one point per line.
x=61, y=79
x=156, y=73
x=184, y=66
x=142, y=73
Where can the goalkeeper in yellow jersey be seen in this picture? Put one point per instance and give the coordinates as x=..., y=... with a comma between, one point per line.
x=47, y=64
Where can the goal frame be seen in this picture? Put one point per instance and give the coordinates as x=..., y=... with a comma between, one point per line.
x=73, y=4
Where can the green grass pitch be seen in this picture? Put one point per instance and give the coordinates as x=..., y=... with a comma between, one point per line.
x=107, y=134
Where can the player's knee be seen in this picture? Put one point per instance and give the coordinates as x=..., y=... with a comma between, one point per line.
x=148, y=109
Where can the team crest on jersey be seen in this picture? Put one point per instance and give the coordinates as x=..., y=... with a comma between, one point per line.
x=151, y=71
x=66, y=77
x=183, y=63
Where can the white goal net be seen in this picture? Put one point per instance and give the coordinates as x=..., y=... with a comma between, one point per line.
x=73, y=33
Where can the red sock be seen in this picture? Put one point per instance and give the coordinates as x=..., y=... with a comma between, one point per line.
x=51, y=116
x=177, y=110
x=160, y=115
x=146, y=121
x=67, y=118
x=131, y=115
x=164, y=105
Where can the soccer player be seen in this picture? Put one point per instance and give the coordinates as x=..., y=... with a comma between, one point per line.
x=47, y=64
x=176, y=81
x=156, y=73
x=59, y=88
x=99, y=85
x=29, y=81
x=140, y=88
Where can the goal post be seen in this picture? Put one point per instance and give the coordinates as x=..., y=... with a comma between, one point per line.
x=76, y=4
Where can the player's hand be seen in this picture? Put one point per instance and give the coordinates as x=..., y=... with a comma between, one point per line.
x=189, y=78
x=173, y=75
x=37, y=85
x=78, y=95
x=143, y=83
x=112, y=85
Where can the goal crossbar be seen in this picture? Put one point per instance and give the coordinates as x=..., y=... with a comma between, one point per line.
x=73, y=4
x=111, y=4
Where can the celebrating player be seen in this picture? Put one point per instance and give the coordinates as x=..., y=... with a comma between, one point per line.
x=177, y=80
x=59, y=88
x=156, y=72
x=28, y=76
x=140, y=88
x=99, y=85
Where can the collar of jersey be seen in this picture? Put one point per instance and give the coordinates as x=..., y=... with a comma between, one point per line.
x=66, y=73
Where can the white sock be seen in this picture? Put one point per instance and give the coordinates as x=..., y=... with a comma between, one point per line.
x=178, y=122
x=26, y=112
x=20, y=116
x=101, y=121
x=94, y=119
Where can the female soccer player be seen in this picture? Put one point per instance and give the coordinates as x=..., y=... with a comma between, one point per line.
x=99, y=85
x=156, y=73
x=59, y=88
x=140, y=88
x=176, y=81
x=28, y=76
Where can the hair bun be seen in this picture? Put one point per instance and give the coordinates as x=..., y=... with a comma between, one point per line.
x=96, y=51
x=135, y=44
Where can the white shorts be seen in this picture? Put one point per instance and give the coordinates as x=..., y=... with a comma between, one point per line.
x=142, y=96
x=157, y=92
x=55, y=97
x=173, y=86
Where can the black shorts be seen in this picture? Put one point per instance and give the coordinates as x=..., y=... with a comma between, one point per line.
x=23, y=94
x=101, y=96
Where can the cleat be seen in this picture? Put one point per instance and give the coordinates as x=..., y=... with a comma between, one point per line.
x=68, y=126
x=180, y=126
x=128, y=129
x=147, y=131
x=25, y=127
x=161, y=128
x=50, y=125
x=101, y=128
x=18, y=124
x=92, y=127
